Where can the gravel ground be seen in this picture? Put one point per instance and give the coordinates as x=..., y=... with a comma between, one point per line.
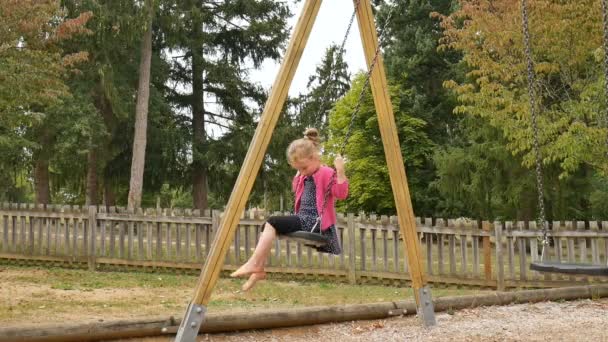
x=583, y=320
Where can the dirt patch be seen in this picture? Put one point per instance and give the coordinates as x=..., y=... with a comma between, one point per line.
x=18, y=299
x=33, y=295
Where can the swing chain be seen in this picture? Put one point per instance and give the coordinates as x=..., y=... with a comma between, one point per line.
x=359, y=101
x=533, y=110
x=325, y=197
x=319, y=117
x=322, y=108
x=605, y=22
x=366, y=83
x=605, y=27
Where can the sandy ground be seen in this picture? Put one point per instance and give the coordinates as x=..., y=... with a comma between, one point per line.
x=583, y=320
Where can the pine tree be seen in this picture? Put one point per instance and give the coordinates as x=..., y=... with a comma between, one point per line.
x=329, y=83
x=413, y=61
x=107, y=82
x=107, y=85
x=215, y=41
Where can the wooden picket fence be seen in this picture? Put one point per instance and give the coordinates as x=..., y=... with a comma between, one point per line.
x=461, y=252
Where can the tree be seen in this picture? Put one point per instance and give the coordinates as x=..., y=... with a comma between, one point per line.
x=141, y=115
x=216, y=39
x=329, y=83
x=109, y=83
x=33, y=71
x=565, y=38
x=370, y=187
x=478, y=177
x=413, y=62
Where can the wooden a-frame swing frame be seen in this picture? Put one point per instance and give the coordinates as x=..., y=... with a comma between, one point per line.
x=257, y=149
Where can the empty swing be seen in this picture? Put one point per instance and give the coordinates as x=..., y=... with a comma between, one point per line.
x=544, y=265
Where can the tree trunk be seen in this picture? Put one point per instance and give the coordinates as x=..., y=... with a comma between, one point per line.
x=141, y=118
x=41, y=180
x=104, y=106
x=199, y=168
x=41, y=166
x=93, y=182
x=108, y=192
x=92, y=178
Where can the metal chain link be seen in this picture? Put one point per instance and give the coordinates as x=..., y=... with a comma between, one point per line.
x=605, y=27
x=319, y=116
x=366, y=83
x=325, y=196
x=358, y=105
x=605, y=20
x=541, y=221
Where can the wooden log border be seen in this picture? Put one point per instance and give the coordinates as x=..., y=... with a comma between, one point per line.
x=270, y=319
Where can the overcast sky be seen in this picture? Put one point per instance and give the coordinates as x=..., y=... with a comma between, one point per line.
x=329, y=27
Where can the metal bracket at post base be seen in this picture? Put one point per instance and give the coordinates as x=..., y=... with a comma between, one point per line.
x=426, y=310
x=188, y=329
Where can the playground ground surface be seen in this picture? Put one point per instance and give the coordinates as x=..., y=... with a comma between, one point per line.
x=37, y=295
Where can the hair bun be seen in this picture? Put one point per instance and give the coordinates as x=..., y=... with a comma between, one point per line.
x=305, y=147
x=313, y=135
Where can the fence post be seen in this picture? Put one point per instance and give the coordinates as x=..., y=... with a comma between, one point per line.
x=215, y=222
x=487, y=252
x=500, y=270
x=92, y=234
x=352, y=261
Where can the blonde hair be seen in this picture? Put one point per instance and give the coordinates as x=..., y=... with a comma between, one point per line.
x=306, y=147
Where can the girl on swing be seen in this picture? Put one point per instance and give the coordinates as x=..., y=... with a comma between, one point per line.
x=309, y=186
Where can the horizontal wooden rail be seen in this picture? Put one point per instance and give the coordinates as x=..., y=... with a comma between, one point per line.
x=454, y=251
x=159, y=219
x=564, y=234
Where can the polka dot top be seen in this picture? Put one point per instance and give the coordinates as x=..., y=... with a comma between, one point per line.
x=308, y=217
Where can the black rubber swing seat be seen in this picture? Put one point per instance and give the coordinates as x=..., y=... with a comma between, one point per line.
x=569, y=268
x=307, y=238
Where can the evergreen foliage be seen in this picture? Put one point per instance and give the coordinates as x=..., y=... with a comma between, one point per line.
x=456, y=69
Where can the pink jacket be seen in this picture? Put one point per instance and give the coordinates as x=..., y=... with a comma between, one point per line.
x=322, y=178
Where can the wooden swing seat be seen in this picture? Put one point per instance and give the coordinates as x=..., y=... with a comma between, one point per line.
x=307, y=238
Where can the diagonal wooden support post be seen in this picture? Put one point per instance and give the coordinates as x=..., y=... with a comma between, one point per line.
x=210, y=273
x=392, y=150
x=240, y=194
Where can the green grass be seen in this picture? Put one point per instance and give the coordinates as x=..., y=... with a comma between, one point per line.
x=60, y=278
x=57, y=294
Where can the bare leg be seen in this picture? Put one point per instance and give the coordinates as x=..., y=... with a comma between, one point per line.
x=256, y=262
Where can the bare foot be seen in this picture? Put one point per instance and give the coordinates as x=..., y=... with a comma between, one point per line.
x=254, y=278
x=246, y=270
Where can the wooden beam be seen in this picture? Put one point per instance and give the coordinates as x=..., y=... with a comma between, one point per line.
x=279, y=318
x=255, y=154
x=390, y=140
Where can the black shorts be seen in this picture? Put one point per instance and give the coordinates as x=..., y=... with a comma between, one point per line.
x=285, y=224
x=289, y=224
